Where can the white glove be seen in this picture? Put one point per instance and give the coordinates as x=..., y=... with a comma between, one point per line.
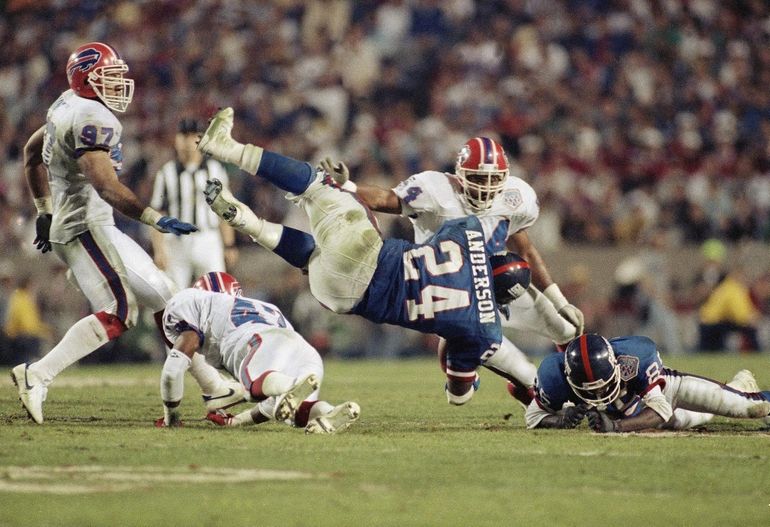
x=570, y=313
x=339, y=173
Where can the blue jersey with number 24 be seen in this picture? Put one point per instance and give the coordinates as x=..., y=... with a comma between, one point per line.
x=443, y=286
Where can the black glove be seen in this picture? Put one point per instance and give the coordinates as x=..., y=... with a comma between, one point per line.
x=571, y=416
x=601, y=422
x=43, y=232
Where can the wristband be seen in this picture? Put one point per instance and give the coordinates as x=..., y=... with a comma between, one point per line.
x=44, y=205
x=150, y=217
x=349, y=186
x=554, y=294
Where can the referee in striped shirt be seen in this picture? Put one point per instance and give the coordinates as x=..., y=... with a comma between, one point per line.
x=178, y=192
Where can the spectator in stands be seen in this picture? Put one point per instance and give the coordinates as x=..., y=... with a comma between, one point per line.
x=728, y=310
x=23, y=324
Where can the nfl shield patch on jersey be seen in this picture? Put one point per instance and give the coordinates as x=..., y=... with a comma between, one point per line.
x=629, y=367
x=512, y=198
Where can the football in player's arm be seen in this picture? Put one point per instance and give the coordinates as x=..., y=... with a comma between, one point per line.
x=621, y=385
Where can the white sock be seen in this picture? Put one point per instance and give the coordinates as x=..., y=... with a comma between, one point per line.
x=320, y=408
x=84, y=337
x=206, y=376
x=265, y=233
x=277, y=383
x=244, y=418
x=251, y=157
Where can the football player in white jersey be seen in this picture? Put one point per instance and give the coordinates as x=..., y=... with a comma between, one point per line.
x=255, y=343
x=71, y=165
x=482, y=186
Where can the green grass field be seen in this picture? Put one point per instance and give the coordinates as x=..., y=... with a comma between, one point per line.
x=410, y=460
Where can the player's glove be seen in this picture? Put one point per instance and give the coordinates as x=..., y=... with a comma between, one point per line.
x=43, y=232
x=601, y=422
x=570, y=313
x=175, y=226
x=571, y=416
x=338, y=171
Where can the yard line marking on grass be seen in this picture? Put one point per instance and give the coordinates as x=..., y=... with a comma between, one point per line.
x=91, y=382
x=103, y=478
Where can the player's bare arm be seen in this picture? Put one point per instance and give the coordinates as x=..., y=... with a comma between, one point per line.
x=645, y=420
x=97, y=166
x=523, y=246
x=376, y=198
x=37, y=180
x=520, y=243
x=379, y=199
x=34, y=170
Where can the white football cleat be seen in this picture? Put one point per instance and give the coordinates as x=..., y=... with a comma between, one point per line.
x=232, y=394
x=744, y=381
x=31, y=395
x=217, y=142
x=339, y=418
x=227, y=206
x=287, y=404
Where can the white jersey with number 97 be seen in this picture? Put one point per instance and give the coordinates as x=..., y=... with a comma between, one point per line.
x=75, y=125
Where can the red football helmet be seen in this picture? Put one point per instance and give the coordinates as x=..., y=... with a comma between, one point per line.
x=482, y=169
x=219, y=282
x=96, y=70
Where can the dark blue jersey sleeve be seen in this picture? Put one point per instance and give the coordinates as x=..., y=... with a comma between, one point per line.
x=551, y=387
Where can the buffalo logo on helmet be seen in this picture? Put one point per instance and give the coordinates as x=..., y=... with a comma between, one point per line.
x=84, y=61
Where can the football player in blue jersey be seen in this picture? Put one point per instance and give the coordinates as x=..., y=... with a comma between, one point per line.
x=621, y=385
x=444, y=286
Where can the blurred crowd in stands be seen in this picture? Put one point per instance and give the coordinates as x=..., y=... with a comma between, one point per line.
x=638, y=122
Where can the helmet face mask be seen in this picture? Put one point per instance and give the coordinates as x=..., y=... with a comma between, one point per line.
x=95, y=70
x=219, y=282
x=482, y=169
x=592, y=370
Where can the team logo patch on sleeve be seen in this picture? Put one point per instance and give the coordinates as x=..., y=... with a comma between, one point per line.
x=629, y=367
x=512, y=198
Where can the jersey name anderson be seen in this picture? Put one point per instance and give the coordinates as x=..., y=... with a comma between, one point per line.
x=480, y=271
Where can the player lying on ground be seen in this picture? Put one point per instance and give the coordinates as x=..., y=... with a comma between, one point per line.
x=71, y=166
x=255, y=343
x=621, y=385
x=444, y=286
x=483, y=186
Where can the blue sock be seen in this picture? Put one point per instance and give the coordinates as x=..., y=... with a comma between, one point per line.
x=286, y=173
x=295, y=247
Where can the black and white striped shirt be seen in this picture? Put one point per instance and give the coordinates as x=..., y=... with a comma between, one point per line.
x=178, y=190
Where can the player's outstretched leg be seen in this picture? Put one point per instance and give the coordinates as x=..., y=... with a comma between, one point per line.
x=284, y=172
x=32, y=392
x=230, y=209
x=337, y=419
x=292, y=245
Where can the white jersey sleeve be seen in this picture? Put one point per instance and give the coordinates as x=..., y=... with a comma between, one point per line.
x=518, y=203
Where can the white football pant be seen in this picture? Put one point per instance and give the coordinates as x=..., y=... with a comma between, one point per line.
x=347, y=246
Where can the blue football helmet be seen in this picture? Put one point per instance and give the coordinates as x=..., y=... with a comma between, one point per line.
x=592, y=369
x=511, y=276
